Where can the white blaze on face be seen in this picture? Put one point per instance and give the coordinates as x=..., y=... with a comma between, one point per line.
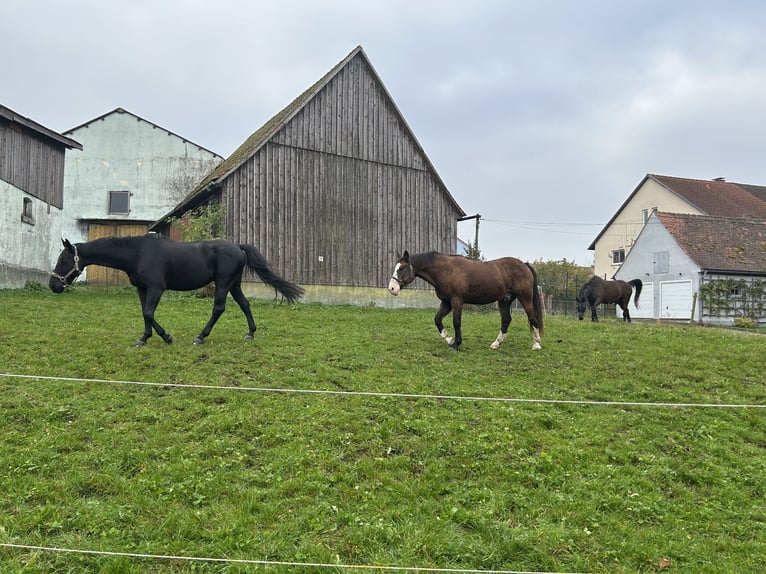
x=393, y=285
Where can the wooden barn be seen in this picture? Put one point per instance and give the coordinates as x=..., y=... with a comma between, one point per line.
x=332, y=188
x=32, y=192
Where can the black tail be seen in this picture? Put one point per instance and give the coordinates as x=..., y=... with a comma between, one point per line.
x=638, y=285
x=536, y=302
x=258, y=263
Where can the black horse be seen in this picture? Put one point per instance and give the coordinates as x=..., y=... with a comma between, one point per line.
x=597, y=290
x=154, y=264
x=460, y=280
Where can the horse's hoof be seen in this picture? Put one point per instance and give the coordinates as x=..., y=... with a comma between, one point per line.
x=249, y=338
x=495, y=345
x=140, y=343
x=198, y=341
x=169, y=340
x=536, y=347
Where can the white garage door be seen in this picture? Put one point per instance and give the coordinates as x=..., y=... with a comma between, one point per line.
x=676, y=300
x=645, y=303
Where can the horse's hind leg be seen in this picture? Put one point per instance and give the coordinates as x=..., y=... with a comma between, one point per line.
x=505, y=319
x=219, y=306
x=625, y=312
x=534, y=327
x=443, y=311
x=244, y=304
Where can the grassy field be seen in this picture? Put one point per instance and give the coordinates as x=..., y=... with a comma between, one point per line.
x=421, y=481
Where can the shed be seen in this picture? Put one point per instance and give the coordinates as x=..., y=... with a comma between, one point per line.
x=332, y=187
x=705, y=268
x=129, y=173
x=32, y=191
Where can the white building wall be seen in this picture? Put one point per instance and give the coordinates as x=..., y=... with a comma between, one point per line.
x=28, y=248
x=643, y=263
x=122, y=152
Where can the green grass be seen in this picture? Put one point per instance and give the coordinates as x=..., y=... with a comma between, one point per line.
x=374, y=480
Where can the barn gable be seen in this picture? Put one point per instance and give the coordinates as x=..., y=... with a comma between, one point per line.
x=332, y=186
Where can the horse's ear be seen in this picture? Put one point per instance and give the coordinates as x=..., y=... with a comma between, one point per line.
x=406, y=256
x=67, y=245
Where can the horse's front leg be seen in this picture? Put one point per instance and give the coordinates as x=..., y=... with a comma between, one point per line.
x=219, y=306
x=505, y=319
x=593, y=313
x=149, y=301
x=444, y=308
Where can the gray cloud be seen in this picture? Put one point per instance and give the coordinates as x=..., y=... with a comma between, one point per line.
x=540, y=115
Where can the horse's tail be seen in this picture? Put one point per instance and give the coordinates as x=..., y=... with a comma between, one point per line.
x=638, y=285
x=536, y=301
x=258, y=263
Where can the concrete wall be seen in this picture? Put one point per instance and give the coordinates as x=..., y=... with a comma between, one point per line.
x=361, y=296
x=29, y=247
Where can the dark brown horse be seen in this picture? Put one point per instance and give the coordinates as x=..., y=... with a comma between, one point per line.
x=597, y=290
x=460, y=280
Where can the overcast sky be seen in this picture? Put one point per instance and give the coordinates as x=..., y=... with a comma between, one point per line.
x=541, y=116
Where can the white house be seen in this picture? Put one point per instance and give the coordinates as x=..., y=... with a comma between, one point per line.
x=129, y=173
x=697, y=267
x=715, y=197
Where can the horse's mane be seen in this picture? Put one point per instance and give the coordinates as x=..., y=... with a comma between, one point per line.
x=424, y=259
x=130, y=241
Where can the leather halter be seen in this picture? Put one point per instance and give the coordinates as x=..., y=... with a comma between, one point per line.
x=407, y=281
x=76, y=269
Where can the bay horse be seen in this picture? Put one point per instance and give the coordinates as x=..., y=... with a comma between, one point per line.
x=459, y=280
x=155, y=264
x=597, y=290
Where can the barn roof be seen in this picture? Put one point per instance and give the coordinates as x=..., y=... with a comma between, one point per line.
x=14, y=118
x=140, y=119
x=719, y=243
x=715, y=197
x=261, y=136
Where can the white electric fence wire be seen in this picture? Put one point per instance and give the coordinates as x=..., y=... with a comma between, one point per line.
x=393, y=395
x=269, y=562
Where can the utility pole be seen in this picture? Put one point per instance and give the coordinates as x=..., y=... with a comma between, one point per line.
x=477, y=217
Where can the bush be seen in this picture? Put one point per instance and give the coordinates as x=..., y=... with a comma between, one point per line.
x=745, y=323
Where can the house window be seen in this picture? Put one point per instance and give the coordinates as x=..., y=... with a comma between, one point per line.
x=618, y=256
x=119, y=202
x=27, y=213
x=646, y=214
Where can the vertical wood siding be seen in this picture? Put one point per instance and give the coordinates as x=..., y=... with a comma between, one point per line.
x=340, y=190
x=31, y=164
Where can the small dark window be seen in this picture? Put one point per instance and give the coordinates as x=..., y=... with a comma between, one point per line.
x=27, y=213
x=119, y=202
x=618, y=256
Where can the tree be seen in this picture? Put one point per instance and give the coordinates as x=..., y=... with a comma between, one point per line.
x=474, y=252
x=560, y=281
x=205, y=222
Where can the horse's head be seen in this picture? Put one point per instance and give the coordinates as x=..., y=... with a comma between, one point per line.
x=581, y=307
x=403, y=274
x=67, y=268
